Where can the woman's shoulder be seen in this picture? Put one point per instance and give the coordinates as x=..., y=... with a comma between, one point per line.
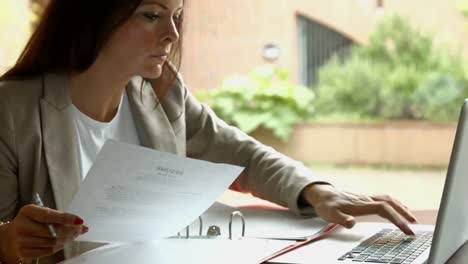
x=24, y=87
x=20, y=95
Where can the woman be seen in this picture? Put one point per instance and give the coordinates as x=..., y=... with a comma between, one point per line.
x=98, y=70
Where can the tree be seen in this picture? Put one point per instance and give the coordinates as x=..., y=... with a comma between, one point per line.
x=399, y=74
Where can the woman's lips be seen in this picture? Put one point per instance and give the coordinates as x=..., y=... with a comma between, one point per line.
x=160, y=58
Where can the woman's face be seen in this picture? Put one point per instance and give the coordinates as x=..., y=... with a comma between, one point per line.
x=141, y=45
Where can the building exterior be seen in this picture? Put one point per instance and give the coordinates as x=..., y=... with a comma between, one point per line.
x=227, y=37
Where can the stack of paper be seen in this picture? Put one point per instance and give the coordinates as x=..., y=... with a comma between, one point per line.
x=193, y=251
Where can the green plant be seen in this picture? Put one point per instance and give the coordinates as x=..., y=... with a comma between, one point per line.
x=265, y=98
x=337, y=95
x=463, y=7
x=435, y=103
x=399, y=74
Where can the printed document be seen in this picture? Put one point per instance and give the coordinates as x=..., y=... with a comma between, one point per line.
x=133, y=193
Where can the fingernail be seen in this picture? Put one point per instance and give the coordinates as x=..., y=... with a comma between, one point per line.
x=78, y=221
x=409, y=231
x=350, y=223
x=84, y=230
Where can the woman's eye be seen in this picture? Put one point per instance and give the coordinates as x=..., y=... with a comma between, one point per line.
x=152, y=16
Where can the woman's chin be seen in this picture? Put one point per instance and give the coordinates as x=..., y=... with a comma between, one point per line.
x=153, y=73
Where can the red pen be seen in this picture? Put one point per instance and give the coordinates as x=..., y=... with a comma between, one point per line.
x=324, y=231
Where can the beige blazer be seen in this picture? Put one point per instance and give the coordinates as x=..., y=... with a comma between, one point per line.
x=39, y=151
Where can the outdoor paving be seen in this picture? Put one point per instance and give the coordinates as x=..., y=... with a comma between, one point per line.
x=417, y=189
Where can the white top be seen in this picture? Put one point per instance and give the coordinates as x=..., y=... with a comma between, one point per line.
x=93, y=134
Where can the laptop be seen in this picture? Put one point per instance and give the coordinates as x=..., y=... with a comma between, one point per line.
x=384, y=243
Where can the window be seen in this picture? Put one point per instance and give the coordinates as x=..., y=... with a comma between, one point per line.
x=317, y=44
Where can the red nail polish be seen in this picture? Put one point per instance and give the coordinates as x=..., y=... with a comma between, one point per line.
x=84, y=230
x=78, y=221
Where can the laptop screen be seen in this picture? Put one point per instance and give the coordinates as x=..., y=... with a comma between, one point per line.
x=451, y=231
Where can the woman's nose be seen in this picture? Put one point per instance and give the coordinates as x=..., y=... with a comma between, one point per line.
x=171, y=33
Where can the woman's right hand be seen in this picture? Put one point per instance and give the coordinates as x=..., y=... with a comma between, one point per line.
x=28, y=236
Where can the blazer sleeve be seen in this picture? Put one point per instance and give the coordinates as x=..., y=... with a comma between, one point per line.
x=268, y=175
x=8, y=164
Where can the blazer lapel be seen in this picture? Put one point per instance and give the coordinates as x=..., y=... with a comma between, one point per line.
x=153, y=127
x=59, y=137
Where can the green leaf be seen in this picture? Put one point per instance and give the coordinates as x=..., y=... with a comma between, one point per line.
x=264, y=98
x=462, y=5
x=389, y=78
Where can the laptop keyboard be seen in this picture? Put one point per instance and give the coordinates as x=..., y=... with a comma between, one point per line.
x=390, y=246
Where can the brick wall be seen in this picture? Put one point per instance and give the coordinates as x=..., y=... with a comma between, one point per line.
x=226, y=37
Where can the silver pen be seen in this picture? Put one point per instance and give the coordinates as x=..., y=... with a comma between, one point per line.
x=38, y=202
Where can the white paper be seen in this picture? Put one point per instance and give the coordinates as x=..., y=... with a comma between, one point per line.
x=193, y=251
x=259, y=223
x=133, y=193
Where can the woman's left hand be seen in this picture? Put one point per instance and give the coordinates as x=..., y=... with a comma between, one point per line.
x=340, y=207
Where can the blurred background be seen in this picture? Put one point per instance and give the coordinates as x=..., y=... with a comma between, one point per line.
x=365, y=92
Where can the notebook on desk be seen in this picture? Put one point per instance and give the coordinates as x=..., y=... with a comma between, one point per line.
x=383, y=243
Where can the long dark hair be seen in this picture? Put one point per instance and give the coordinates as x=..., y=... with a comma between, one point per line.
x=70, y=35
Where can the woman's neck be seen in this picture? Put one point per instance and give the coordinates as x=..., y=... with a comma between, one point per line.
x=97, y=91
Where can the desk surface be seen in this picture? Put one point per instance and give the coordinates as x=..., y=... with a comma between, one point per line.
x=426, y=217
x=429, y=217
